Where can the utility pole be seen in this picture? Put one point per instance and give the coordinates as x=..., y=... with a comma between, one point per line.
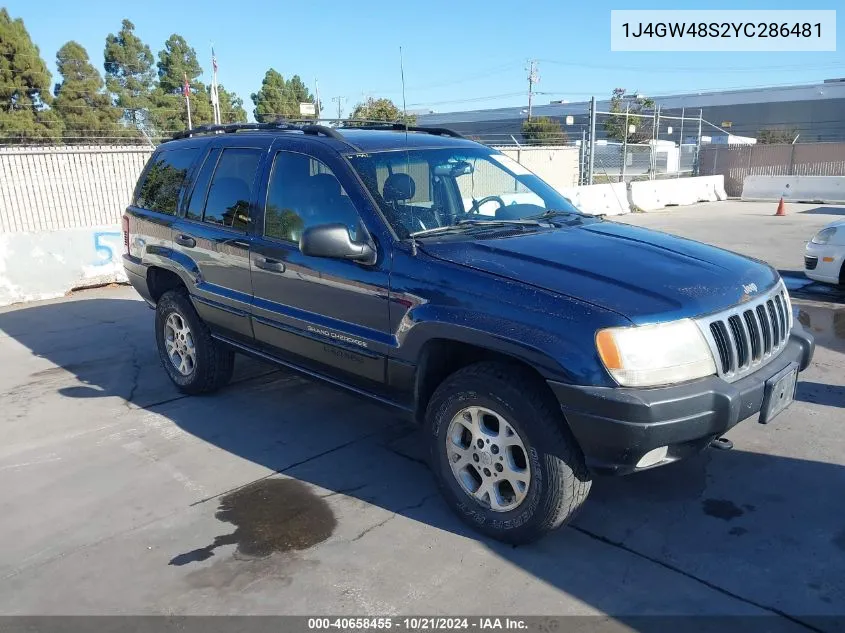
x=339, y=100
x=655, y=136
x=698, y=146
x=533, y=78
x=365, y=96
x=317, y=99
x=681, y=143
x=625, y=143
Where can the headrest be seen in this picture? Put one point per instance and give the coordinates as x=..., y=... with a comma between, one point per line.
x=327, y=185
x=399, y=187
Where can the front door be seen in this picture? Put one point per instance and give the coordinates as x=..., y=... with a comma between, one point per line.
x=212, y=237
x=328, y=314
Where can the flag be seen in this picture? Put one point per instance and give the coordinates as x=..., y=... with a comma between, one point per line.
x=213, y=60
x=186, y=88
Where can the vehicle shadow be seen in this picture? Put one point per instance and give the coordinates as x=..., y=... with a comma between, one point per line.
x=759, y=532
x=824, y=210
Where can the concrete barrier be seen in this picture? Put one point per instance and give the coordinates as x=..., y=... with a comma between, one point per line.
x=609, y=199
x=794, y=188
x=48, y=264
x=652, y=195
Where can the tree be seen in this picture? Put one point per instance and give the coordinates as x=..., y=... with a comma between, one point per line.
x=775, y=136
x=544, y=131
x=129, y=74
x=231, y=105
x=614, y=125
x=24, y=87
x=381, y=110
x=85, y=110
x=176, y=62
x=279, y=99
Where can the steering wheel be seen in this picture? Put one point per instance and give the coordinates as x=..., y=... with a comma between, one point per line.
x=476, y=204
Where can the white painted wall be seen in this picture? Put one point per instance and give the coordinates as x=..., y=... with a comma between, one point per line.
x=48, y=264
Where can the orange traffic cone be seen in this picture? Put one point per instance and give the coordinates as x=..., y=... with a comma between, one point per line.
x=781, y=207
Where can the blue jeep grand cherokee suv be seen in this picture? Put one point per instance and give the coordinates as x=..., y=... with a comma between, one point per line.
x=537, y=345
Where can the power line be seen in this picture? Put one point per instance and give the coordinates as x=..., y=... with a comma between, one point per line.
x=680, y=69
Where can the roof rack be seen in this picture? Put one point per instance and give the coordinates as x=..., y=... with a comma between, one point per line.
x=401, y=127
x=230, y=128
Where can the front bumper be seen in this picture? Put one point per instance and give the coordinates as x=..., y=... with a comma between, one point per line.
x=616, y=427
x=826, y=261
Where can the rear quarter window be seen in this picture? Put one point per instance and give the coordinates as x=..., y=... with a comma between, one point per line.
x=163, y=180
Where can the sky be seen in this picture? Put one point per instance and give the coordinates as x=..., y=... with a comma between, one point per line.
x=457, y=55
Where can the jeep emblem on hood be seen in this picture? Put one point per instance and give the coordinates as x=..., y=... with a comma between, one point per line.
x=749, y=288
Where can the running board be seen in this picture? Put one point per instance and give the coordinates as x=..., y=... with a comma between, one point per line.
x=250, y=351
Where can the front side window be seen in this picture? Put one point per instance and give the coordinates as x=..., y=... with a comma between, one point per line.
x=426, y=189
x=304, y=192
x=230, y=192
x=163, y=180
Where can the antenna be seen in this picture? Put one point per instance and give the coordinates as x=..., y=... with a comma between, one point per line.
x=407, y=152
x=404, y=106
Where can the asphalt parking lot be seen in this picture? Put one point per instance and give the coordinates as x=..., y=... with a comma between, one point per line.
x=278, y=495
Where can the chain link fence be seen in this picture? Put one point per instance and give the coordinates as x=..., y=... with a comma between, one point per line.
x=644, y=146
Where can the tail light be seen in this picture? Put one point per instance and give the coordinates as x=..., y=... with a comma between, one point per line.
x=126, y=234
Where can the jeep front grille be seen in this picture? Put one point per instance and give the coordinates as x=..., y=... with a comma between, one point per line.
x=750, y=335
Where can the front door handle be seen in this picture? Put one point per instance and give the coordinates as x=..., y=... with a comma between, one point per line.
x=185, y=240
x=271, y=265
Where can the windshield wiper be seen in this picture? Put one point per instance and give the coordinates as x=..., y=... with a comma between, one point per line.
x=558, y=213
x=462, y=225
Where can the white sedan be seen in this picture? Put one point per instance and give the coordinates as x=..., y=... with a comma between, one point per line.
x=825, y=253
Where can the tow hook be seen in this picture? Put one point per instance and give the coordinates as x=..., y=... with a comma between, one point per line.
x=722, y=443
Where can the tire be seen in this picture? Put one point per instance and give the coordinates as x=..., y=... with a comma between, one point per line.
x=559, y=481
x=212, y=363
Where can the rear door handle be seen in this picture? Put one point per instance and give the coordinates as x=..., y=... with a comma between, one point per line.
x=185, y=240
x=272, y=265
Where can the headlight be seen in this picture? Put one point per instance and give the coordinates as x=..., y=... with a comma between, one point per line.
x=651, y=355
x=823, y=236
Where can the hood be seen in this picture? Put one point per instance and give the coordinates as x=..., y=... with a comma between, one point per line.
x=642, y=274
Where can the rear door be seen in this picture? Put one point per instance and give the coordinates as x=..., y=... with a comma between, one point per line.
x=329, y=314
x=213, y=237
x=155, y=206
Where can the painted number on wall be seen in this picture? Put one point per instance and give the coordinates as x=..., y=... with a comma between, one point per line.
x=106, y=244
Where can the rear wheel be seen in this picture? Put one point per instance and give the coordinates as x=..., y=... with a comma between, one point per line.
x=500, y=449
x=195, y=362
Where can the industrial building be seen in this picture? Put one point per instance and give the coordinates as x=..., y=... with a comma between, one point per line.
x=815, y=112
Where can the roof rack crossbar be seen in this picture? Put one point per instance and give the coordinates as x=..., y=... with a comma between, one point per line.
x=230, y=128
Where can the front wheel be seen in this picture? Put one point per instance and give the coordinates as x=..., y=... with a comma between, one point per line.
x=195, y=362
x=503, y=456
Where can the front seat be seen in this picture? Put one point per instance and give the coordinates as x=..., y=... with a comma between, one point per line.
x=397, y=190
x=329, y=205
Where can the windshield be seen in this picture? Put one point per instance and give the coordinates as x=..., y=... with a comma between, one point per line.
x=427, y=190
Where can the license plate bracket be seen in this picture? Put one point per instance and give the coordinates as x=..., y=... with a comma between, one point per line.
x=779, y=393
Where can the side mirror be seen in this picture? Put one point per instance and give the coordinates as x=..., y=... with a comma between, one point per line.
x=332, y=240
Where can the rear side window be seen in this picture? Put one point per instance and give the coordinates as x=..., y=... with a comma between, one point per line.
x=230, y=193
x=163, y=180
